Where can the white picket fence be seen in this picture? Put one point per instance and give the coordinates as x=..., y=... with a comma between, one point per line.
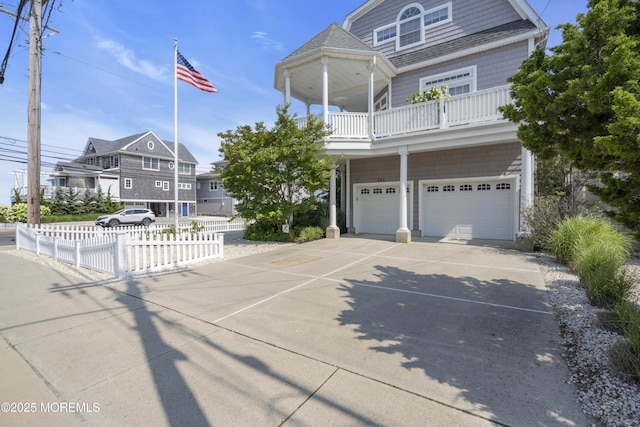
x=126, y=251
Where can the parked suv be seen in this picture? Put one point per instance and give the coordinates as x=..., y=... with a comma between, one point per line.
x=127, y=216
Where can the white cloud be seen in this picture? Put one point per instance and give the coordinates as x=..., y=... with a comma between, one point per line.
x=267, y=43
x=127, y=58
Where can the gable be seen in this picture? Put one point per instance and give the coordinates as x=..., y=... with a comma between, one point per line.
x=385, y=26
x=148, y=144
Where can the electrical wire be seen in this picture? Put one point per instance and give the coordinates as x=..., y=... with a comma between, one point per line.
x=5, y=61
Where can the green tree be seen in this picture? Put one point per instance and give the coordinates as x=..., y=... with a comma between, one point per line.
x=583, y=102
x=275, y=173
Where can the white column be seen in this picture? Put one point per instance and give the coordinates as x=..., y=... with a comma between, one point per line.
x=325, y=89
x=527, y=178
x=372, y=68
x=332, y=199
x=332, y=232
x=287, y=87
x=347, y=184
x=403, y=235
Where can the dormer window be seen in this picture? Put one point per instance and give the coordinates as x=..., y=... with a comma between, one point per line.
x=412, y=23
x=410, y=27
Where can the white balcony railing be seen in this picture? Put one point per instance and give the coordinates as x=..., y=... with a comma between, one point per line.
x=475, y=107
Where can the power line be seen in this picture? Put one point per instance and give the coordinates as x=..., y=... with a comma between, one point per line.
x=5, y=61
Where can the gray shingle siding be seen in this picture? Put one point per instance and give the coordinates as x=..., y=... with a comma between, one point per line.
x=493, y=68
x=469, y=17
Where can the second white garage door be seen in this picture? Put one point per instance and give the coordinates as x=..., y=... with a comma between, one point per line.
x=471, y=209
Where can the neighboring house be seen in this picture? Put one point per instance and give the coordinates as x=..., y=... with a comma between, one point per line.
x=211, y=197
x=453, y=168
x=138, y=170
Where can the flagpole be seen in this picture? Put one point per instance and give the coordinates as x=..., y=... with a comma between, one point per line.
x=175, y=132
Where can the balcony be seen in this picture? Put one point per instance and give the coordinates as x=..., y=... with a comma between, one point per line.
x=461, y=110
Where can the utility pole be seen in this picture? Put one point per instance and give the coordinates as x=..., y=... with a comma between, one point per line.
x=34, y=115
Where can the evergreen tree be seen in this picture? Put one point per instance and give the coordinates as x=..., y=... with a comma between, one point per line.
x=583, y=102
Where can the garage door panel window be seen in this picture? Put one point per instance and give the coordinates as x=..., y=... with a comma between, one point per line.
x=433, y=189
x=390, y=190
x=503, y=186
x=484, y=187
x=448, y=188
x=466, y=187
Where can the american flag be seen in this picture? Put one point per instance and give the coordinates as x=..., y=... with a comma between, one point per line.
x=187, y=73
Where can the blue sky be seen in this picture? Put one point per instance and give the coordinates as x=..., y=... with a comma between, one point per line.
x=109, y=72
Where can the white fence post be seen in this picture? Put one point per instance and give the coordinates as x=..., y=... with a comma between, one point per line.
x=77, y=249
x=120, y=255
x=18, y=236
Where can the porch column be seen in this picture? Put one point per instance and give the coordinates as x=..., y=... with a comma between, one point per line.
x=287, y=87
x=527, y=179
x=372, y=67
x=347, y=184
x=523, y=240
x=325, y=90
x=333, y=232
x=403, y=235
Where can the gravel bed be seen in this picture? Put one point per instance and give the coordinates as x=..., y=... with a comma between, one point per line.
x=602, y=394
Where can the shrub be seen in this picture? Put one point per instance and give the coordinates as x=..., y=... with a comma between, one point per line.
x=625, y=356
x=4, y=211
x=571, y=232
x=306, y=234
x=606, y=289
x=544, y=217
x=265, y=232
x=596, y=251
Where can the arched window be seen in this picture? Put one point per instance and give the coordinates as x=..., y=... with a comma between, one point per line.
x=410, y=27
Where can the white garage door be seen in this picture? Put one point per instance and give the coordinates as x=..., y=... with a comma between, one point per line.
x=378, y=208
x=472, y=209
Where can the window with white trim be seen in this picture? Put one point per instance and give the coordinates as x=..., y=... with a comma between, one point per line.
x=165, y=185
x=128, y=183
x=409, y=29
x=150, y=163
x=213, y=185
x=437, y=15
x=159, y=184
x=385, y=33
x=381, y=104
x=184, y=186
x=184, y=169
x=458, y=82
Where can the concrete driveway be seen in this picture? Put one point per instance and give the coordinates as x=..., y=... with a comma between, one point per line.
x=357, y=331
